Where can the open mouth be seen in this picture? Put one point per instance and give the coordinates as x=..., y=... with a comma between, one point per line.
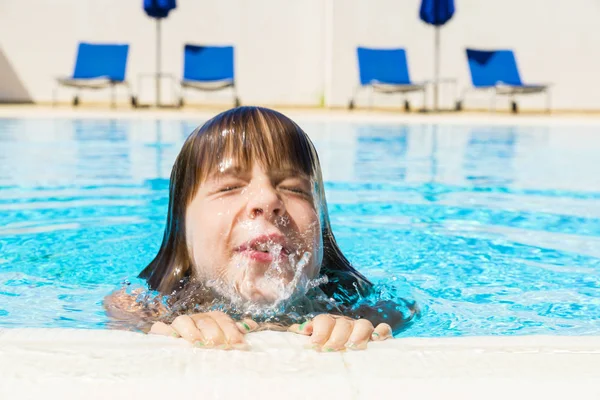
x=265, y=248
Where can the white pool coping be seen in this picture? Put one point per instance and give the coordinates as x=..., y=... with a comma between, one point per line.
x=307, y=115
x=88, y=364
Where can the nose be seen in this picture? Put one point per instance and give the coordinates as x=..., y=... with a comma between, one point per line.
x=264, y=200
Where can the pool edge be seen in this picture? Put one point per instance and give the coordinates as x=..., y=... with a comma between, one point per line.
x=115, y=364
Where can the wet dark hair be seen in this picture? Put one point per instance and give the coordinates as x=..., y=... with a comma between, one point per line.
x=248, y=135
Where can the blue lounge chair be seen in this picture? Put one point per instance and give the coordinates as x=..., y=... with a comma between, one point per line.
x=208, y=68
x=385, y=71
x=497, y=71
x=98, y=66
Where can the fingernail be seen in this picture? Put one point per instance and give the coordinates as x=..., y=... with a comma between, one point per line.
x=223, y=347
x=303, y=325
x=317, y=339
x=374, y=336
x=175, y=334
x=246, y=326
x=240, y=346
x=329, y=349
x=356, y=346
x=313, y=346
x=198, y=343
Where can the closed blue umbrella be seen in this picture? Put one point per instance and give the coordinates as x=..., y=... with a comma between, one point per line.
x=436, y=13
x=158, y=9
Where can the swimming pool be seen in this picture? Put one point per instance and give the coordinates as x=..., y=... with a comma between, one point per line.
x=493, y=230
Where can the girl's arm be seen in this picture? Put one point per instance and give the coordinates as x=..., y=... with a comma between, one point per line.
x=127, y=312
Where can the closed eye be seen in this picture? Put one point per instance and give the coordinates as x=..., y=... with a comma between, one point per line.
x=295, y=185
x=296, y=190
x=229, y=188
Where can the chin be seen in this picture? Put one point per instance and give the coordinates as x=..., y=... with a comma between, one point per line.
x=266, y=290
x=263, y=284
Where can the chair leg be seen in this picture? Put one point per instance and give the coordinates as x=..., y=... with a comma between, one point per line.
x=132, y=97
x=514, y=108
x=76, y=99
x=55, y=96
x=406, y=105
x=455, y=91
x=236, y=99
x=493, y=103
x=181, y=97
x=460, y=101
x=352, y=102
x=113, y=96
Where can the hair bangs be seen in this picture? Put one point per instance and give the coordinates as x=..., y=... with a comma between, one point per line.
x=244, y=136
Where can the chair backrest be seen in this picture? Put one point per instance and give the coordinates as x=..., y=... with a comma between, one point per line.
x=101, y=60
x=489, y=68
x=383, y=66
x=207, y=63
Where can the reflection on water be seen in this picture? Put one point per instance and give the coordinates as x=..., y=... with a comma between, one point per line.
x=489, y=156
x=378, y=146
x=101, y=143
x=494, y=230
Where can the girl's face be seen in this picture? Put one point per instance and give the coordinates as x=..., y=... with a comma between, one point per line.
x=248, y=231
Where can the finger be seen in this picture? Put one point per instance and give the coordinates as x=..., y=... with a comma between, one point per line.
x=247, y=325
x=212, y=333
x=233, y=336
x=322, y=326
x=339, y=335
x=361, y=333
x=305, y=328
x=187, y=329
x=160, y=328
x=382, y=332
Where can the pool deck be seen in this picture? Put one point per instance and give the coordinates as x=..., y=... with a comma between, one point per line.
x=78, y=364
x=307, y=114
x=87, y=364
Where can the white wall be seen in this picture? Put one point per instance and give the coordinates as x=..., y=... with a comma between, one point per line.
x=281, y=49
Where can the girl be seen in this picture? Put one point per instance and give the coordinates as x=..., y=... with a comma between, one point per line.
x=248, y=245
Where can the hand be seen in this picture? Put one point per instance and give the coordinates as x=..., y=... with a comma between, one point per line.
x=213, y=329
x=334, y=333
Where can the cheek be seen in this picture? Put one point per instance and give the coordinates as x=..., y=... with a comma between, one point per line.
x=317, y=258
x=207, y=227
x=305, y=218
x=309, y=227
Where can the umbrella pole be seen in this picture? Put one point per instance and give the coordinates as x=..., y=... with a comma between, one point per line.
x=158, y=47
x=436, y=72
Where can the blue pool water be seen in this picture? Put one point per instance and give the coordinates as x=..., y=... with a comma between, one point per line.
x=492, y=230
